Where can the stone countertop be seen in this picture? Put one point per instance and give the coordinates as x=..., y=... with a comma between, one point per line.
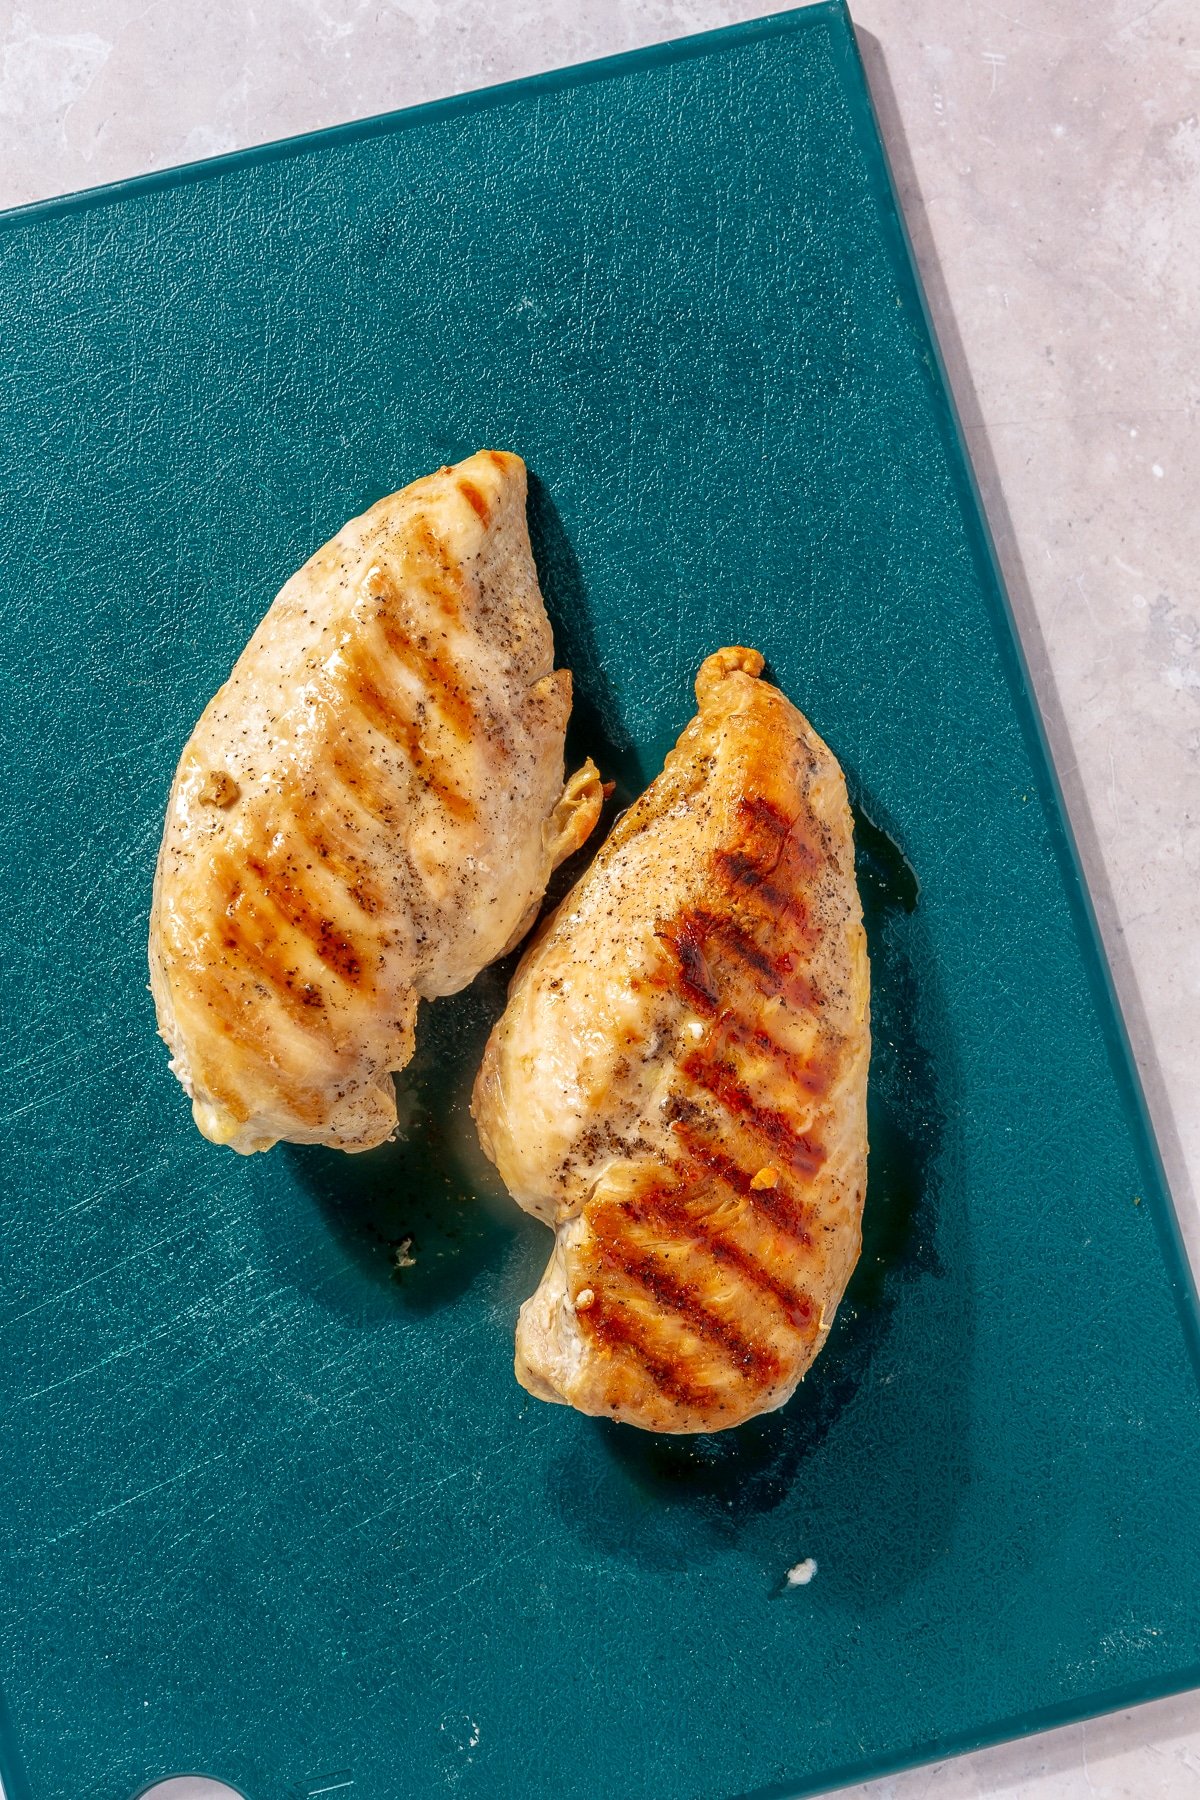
x=1050, y=171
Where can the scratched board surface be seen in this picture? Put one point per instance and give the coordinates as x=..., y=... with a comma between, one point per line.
x=273, y=1507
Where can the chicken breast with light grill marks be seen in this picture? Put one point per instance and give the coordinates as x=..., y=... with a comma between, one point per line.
x=366, y=814
x=678, y=1083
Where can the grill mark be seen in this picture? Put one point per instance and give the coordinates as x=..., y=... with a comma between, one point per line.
x=441, y=580
x=741, y=872
x=436, y=674
x=301, y=1000
x=431, y=770
x=742, y=877
x=687, y=947
x=796, y=1308
x=749, y=868
x=813, y=1074
x=676, y=1296
x=305, y=1103
x=764, y=812
x=774, y=1202
x=473, y=498
x=766, y=833
x=776, y=977
x=309, y=835
x=361, y=781
x=215, y=1088
x=719, y=1079
x=337, y=951
x=374, y=706
x=669, y=1207
x=383, y=715
x=790, y=837
x=732, y=937
x=241, y=1025
x=210, y=1080
x=741, y=868
x=618, y=1332
x=801, y=855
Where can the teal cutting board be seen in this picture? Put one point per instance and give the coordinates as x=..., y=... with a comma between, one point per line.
x=272, y=1509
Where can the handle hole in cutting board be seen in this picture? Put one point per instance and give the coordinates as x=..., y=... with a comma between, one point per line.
x=190, y=1787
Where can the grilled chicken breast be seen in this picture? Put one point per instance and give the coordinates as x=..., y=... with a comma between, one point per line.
x=366, y=814
x=678, y=1083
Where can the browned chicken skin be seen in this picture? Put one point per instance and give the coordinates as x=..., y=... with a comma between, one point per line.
x=678, y=1083
x=366, y=814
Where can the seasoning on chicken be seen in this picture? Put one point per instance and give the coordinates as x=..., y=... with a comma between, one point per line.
x=678, y=1083
x=366, y=814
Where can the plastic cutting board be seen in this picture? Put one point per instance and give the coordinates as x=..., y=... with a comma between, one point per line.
x=274, y=1510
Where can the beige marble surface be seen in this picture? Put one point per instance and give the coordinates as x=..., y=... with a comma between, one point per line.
x=1049, y=157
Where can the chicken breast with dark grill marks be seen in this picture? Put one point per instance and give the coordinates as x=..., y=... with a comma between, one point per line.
x=366, y=814
x=678, y=1083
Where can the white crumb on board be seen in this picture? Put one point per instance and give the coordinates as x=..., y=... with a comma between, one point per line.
x=801, y=1573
